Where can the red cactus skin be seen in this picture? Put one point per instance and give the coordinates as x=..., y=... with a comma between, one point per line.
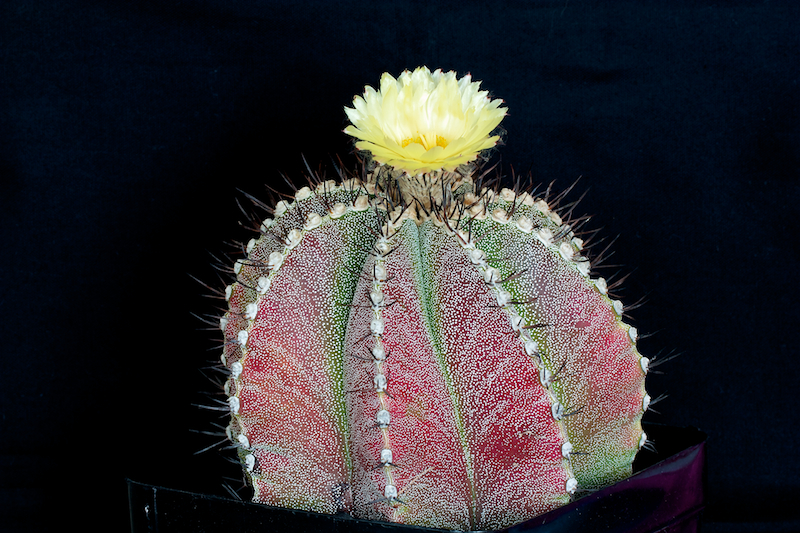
x=445, y=360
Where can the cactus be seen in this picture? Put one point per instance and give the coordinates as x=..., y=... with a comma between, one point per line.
x=415, y=346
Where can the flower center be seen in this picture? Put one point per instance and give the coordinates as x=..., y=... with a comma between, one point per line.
x=427, y=141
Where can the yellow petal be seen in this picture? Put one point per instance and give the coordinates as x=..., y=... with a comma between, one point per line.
x=424, y=121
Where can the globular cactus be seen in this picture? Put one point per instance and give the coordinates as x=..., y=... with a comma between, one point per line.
x=411, y=345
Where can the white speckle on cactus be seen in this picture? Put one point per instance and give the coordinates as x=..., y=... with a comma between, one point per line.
x=244, y=442
x=228, y=292
x=251, y=311
x=390, y=492
x=646, y=402
x=380, y=383
x=275, y=259
x=491, y=276
x=313, y=220
x=250, y=462
x=233, y=402
x=477, y=257
x=262, y=285
x=361, y=203
x=532, y=348
x=643, y=439
x=281, y=208
x=294, y=238
x=303, y=194
x=644, y=362
x=338, y=210
x=577, y=242
x=618, y=307
x=236, y=370
x=524, y=224
x=226, y=387
x=500, y=216
x=377, y=326
x=383, y=418
x=386, y=456
x=266, y=224
x=633, y=333
x=376, y=295
x=229, y=431
x=572, y=485
x=545, y=377
x=557, y=411
x=223, y=323
x=584, y=267
x=241, y=338
x=379, y=352
x=554, y=217
x=545, y=236
x=601, y=285
x=566, y=449
x=250, y=245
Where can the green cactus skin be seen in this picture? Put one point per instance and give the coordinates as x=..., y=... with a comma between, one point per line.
x=433, y=353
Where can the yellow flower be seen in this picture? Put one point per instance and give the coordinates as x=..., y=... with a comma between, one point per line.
x=424, y=121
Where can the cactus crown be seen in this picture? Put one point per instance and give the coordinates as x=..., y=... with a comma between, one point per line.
x=413, y=345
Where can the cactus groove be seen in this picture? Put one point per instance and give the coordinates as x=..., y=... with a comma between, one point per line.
x=427, y=351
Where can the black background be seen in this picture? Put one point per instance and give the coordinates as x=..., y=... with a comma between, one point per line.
x=126, y=129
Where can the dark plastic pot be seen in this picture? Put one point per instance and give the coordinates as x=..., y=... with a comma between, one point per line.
x=666, y=494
